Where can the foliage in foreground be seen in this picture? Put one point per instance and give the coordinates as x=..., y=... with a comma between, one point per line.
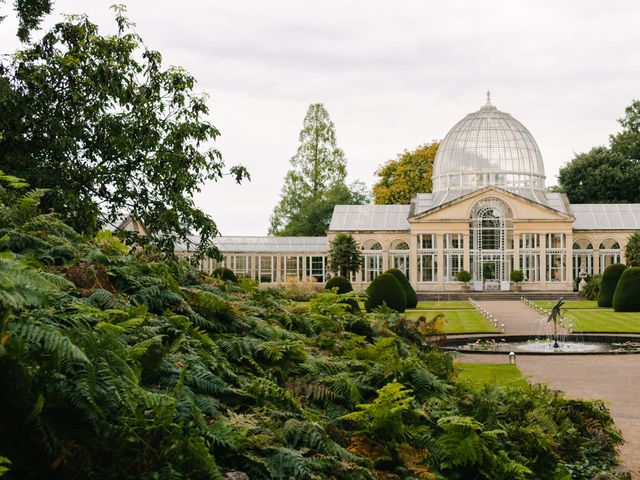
x=121, y=367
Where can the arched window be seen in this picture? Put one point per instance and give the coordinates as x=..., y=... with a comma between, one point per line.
x=582, y=258
x=371, y=245
x=609, y=253
x=491, y=236
x=582, y=244
x=401, y=245
x=399, y=256
x=372, y=253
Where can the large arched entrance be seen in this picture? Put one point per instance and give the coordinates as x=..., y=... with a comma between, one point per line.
x=491, y=249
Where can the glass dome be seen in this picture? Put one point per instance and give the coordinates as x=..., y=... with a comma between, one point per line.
x=488, y=147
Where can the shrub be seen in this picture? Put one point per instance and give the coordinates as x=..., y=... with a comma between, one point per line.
x=627, y=295
x=516, y=276
x=412, y=298
x=300, y=292
x=463, y=276
x=632, y=250
x=592, y=289
x=225, y=274
x=610, y=279
x=385, y=289
x=343, y=285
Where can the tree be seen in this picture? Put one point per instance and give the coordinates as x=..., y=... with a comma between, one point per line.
x=607, y=174
x=30, y=14
x=316, y=183
x=632, y=250
x=98, y=122
x=344, y=255
x=601, y=175
x=408, y=174
x=463, y=276
x=516, y=276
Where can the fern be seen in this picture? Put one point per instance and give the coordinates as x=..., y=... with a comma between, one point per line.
x=50, y=340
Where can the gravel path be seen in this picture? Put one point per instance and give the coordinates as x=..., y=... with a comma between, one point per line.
x=518, y=318
x=614, y=379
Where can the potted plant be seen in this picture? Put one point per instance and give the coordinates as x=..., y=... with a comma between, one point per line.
x=464, y=277
x=516, y=277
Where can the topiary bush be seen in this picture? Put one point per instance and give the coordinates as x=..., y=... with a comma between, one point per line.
x=610, y=279
x=343, y=285
x=627, y=295
x=463, y=276
x=386, y=289
x=516, y=276
x=225, y=274
x=412, y=298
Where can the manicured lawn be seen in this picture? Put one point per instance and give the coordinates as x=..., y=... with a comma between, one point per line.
x=483, y=373
x=569, y=304
x=457, y=321
x=443, y=306
x=605, y=320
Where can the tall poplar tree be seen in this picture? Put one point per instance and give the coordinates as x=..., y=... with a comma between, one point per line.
x=316, y=183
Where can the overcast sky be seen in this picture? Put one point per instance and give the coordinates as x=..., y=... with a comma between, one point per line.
x=393, y=75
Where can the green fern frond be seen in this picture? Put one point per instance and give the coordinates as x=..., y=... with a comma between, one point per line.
x=49, y=339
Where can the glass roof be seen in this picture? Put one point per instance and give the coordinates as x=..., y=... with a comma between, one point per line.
x=612, y=216
x=488, y=147
x=256, y=244
x=369, y=217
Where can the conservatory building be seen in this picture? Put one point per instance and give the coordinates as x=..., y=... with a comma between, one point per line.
x=488, y=214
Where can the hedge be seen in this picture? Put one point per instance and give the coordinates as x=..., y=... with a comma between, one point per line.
x=412, y=298
x=385, y=289
x=225, y=274
x=627, y=296
x=610, y=279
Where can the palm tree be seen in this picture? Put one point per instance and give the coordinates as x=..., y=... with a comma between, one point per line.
x=344, y=255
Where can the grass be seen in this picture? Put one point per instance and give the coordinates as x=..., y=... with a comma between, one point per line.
x=457, y=321
x=483, y=373
x=436, y=306
x=605, y=320
x=569, y=304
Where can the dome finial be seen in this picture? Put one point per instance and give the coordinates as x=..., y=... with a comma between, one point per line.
x=488, y=97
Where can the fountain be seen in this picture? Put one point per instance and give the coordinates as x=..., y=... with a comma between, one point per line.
x=553, y=317
x=555, y=341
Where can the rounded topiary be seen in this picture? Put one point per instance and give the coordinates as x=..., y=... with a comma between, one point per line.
x=610, y=279
x=386, y=289
x=516, y=276
x=627, y=296
x=225, y=274
x=463, y=276
x=412, y=298
x=344, y=286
